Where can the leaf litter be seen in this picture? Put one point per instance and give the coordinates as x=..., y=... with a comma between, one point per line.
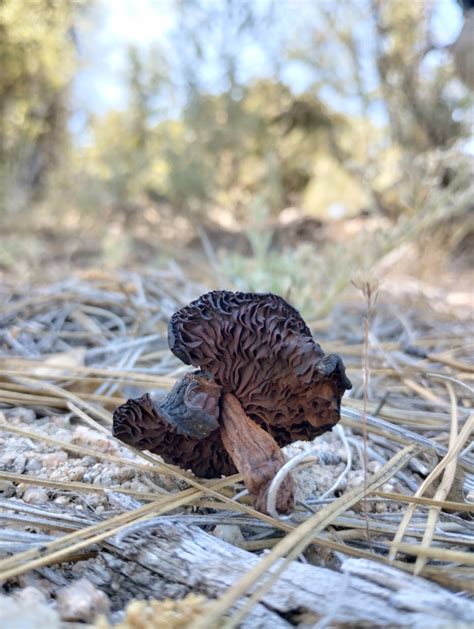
x=71, y=351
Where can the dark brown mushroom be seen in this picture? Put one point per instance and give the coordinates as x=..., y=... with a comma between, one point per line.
x=263, y=383
x=183, y=427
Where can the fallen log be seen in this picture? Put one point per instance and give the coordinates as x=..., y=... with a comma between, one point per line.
x=364, y=593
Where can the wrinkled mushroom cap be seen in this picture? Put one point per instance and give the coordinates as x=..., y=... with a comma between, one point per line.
x=259, y=348
x=182, y=427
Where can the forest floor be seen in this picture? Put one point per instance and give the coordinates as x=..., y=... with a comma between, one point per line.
x=73, y=500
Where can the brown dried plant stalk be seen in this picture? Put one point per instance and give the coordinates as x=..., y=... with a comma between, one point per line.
x=370, y=293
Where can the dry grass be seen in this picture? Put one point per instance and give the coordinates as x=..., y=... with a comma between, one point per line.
x=72, y=351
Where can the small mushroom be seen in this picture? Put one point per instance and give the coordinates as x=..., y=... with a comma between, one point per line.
x=263, y=383
x=183, y=427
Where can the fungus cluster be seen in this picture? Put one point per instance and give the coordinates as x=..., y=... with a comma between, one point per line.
x=262, y=382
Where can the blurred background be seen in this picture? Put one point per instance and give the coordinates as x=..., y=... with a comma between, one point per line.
x=272, y=144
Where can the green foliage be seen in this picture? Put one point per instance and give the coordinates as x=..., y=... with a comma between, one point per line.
x=419, y=102
x=37, y=61
x=310, y=276
x=207, y=147
x=220, y=153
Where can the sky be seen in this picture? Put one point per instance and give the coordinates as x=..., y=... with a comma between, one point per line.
x=116, y=24
x=113, y=26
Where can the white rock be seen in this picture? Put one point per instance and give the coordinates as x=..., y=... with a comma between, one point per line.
x=35, y=495
x=54, y=459
x=27, y=611
x=82, y=602
x=230, y=533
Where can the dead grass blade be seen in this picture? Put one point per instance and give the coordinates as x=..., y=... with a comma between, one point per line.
x=447, y=505
x=445, y=485
x=461, y=439
x=57, y=550
x=76, y=486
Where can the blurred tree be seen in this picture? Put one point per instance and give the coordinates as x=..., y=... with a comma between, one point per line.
x=382, y=72
x=210, y=37
x=37, y=56
x=212, y=120
x=223, y=146
x=123, y=163
x=240, y=128
x=463, y=47
x=418, y=100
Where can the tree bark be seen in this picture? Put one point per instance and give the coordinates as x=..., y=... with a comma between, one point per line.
x=364, y=594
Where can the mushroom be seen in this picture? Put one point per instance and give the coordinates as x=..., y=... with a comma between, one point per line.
x=263, y=382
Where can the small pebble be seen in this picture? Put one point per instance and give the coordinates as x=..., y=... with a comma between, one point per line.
x=88, y=437
x=19, y=464
x=35, y=495
x=229, y=533
x=31, y=596
x=62, y=500
x=374, y=466
x=32, y=613
x=82, y=602
x=89, y=460
x=7, y=488
x=53, y=459
x=34, y=465
x=25, y=415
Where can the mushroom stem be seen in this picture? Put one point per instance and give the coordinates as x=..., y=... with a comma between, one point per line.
x=255, y=454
